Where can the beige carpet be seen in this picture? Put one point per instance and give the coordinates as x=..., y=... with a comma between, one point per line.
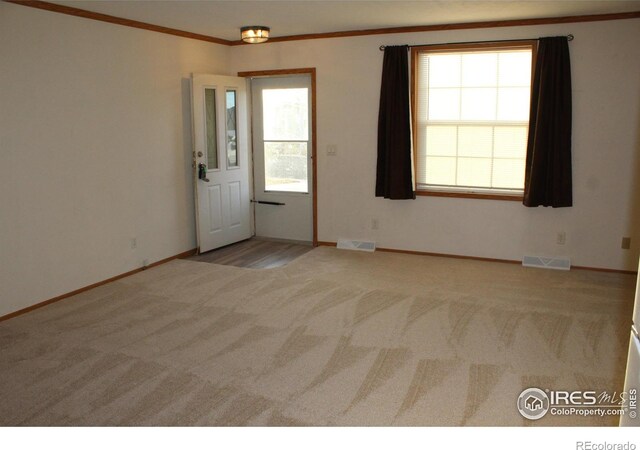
x=334, y=338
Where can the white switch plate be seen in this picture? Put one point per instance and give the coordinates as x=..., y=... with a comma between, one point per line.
x=332, y=149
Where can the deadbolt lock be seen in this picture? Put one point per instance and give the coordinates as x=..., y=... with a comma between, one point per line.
x=202, y=172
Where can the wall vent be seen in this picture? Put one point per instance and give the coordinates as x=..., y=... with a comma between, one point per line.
x=364, y=246
x=546, y=263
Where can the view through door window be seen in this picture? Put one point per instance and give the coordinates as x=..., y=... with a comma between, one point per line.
x=210, y=128
x=232, y=132
x=286, y=139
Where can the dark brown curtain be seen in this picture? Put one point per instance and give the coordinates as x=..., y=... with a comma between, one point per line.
x=394, y=177
x=548, y=167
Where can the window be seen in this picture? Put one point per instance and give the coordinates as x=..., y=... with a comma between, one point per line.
x=232, y=132
x=210, y=127
x=471, y=109
x=285, y=115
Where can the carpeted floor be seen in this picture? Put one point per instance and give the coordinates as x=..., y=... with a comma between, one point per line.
x=334, y=338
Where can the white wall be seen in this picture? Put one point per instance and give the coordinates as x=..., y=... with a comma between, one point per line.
x=606, y=134
x=94, y=150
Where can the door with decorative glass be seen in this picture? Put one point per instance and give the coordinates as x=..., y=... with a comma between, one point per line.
x=282, y=150
x=221, y=163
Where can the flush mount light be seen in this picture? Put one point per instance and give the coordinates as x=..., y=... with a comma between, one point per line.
x=254, y=34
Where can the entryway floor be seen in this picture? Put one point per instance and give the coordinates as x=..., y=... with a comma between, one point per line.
x=254, y=253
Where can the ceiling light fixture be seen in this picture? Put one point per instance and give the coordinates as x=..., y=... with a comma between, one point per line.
x=255, y=34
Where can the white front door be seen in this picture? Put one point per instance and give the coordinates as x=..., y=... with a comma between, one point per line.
x=221, y=160
x=282, y=151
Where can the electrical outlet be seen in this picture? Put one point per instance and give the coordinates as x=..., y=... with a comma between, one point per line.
x=145, y=263
x=332, y=149
x=626, y=243
x=375, y=224
x=562, y=238
x=134, y=243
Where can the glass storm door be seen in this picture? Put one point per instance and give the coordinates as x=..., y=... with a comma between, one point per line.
x=223, y=211
x=281, y=117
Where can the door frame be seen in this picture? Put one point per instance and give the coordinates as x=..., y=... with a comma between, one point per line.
x=311, y=71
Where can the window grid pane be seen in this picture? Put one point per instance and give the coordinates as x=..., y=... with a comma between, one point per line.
x=285, y=166
x=232, y=132
x=500, y=147
x=284, y=114
x=472, y=125
x=211, y=137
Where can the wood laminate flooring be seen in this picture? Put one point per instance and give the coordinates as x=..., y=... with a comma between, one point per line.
x=254, y=253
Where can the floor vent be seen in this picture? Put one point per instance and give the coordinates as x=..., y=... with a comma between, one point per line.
x=364, y=246
x=547, y=263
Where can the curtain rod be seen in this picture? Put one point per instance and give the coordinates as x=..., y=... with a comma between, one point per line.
x=382, y=47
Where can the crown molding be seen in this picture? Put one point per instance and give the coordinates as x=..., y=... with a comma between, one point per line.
x=69, y=10
x=454, y=26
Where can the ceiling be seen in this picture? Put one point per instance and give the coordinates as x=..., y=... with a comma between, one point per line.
x=223, y=19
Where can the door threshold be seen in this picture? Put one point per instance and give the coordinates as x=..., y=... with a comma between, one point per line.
x=284, y=241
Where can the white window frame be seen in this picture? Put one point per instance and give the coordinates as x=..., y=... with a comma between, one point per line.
x=464, y=191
